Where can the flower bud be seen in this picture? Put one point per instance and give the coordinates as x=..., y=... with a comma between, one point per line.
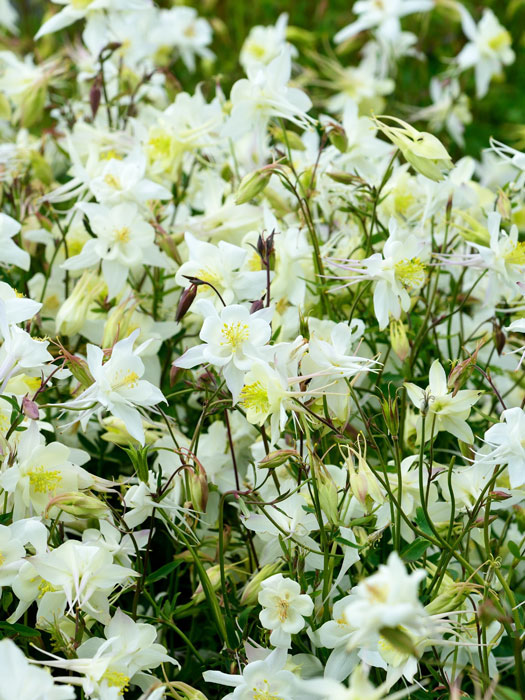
x=463, y=370
x=338, y=137
x=363, y=482
x=252, y=185
x=186, y=300
x=186, y=692
x=287, y=136
x=214, y=576
x=422, y=150
x=250, y=592
x=328, y=495
x=275, y=459
x=503, y=205
x=390, y=409
x=81, y=505
x=198, y=486
x=399, y=339
x=73, y=312
x=30, y=408
x=119, y=324
x=474, y=231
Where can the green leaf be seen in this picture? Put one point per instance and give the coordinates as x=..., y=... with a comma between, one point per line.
x=415, y=550
x=163, y=572
x=514, y=550
x=502, y=693
x=422, y=522
x=17, y=628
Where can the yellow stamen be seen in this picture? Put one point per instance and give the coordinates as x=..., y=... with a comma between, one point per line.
x=122, y=235
x=282, y=609
x=112, y=181
x=264, y=693
x=517, y=255
x=116, y=679
x=411, y=273
x=235, y=334
x=43, y=480
x=254, y=396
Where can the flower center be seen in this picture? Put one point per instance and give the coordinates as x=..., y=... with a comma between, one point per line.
x=122, y=235
x=235, y=334
x=130, y=379
x=263, y=692
x=517, y=255
x=254, y=397
x=112, y=181
x=282, y=609
x=43, y=480
x=499, y=41
x=45, y=587
x=116, y=679
x=411, y=273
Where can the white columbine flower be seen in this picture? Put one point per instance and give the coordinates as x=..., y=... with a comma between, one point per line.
x=10, y=253
x=264, y=678
x=118, y=386
x=263, y=95
x=225, y=266
x=388, y=598
x=395, y=271
x=24, y=681
x=383, y=15
x=487, y=51
x=283, y=608
x=74, y=10
x=446, y=411
x=507, y=439
x=518, y=326
x=232, y=339
x=15, y=308
x=123, y=241
x=504, y=259
x=85, y=573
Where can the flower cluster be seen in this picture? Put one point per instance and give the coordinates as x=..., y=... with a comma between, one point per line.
x=262, y=401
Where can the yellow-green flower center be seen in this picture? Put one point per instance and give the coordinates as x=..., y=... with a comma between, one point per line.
x=44, y=480
x=517, y=255
x=234, y=334
x=411, y=273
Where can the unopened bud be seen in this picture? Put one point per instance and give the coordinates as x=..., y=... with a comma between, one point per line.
x=257, y=305
x=286, y=136
x=328, y=494
x=186, y=300
x=30, y=408
x=250, y=593
x=252, y=185
x=94, y=96
x=198, y=485
x=338, y=137
x=119, y=324
x=186, y=692
x=275, y=459
x=363, y=482
x=390, y=409
x=463, y=370
x=399, y=339
x=81, y=505
x=499, y=337
x=73, y=312
x=503, y=205
x=214, y=576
